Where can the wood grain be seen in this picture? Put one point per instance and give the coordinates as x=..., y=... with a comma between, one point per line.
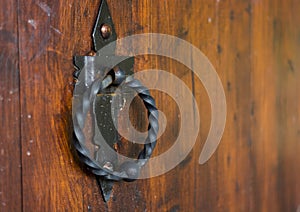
x=10, y=159
x=52, y=180
x=254, y=46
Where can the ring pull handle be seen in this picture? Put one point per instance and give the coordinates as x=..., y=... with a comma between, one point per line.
x=97, y=78
x=127, y=171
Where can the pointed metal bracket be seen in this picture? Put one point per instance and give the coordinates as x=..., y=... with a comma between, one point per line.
x=103, y=19
x=103, y=34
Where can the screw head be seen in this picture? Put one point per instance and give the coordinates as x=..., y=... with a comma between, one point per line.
x=106, y=31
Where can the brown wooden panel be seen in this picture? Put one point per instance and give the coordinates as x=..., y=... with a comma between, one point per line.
x=51, y=32
x=10, y=160
x=254, y=46
x=276, y=103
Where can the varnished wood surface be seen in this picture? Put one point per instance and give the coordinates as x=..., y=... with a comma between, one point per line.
x=10, y=143
x=255, y=48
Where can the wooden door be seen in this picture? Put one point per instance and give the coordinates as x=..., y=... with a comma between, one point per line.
x=254, y=46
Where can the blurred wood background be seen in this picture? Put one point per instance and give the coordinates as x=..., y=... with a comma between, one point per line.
x=255, y=48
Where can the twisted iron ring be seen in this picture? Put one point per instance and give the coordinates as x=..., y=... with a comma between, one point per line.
x=128, y=170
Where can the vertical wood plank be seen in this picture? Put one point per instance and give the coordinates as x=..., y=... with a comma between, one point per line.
x=51, y=33
x=186, y=186
x=236, y=163
x=275, y=81
x=10, y=159
x=288, y=106
x=264, y=104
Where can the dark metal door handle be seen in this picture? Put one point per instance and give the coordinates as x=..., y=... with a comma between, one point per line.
x=127, y=171
x=96, y=82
